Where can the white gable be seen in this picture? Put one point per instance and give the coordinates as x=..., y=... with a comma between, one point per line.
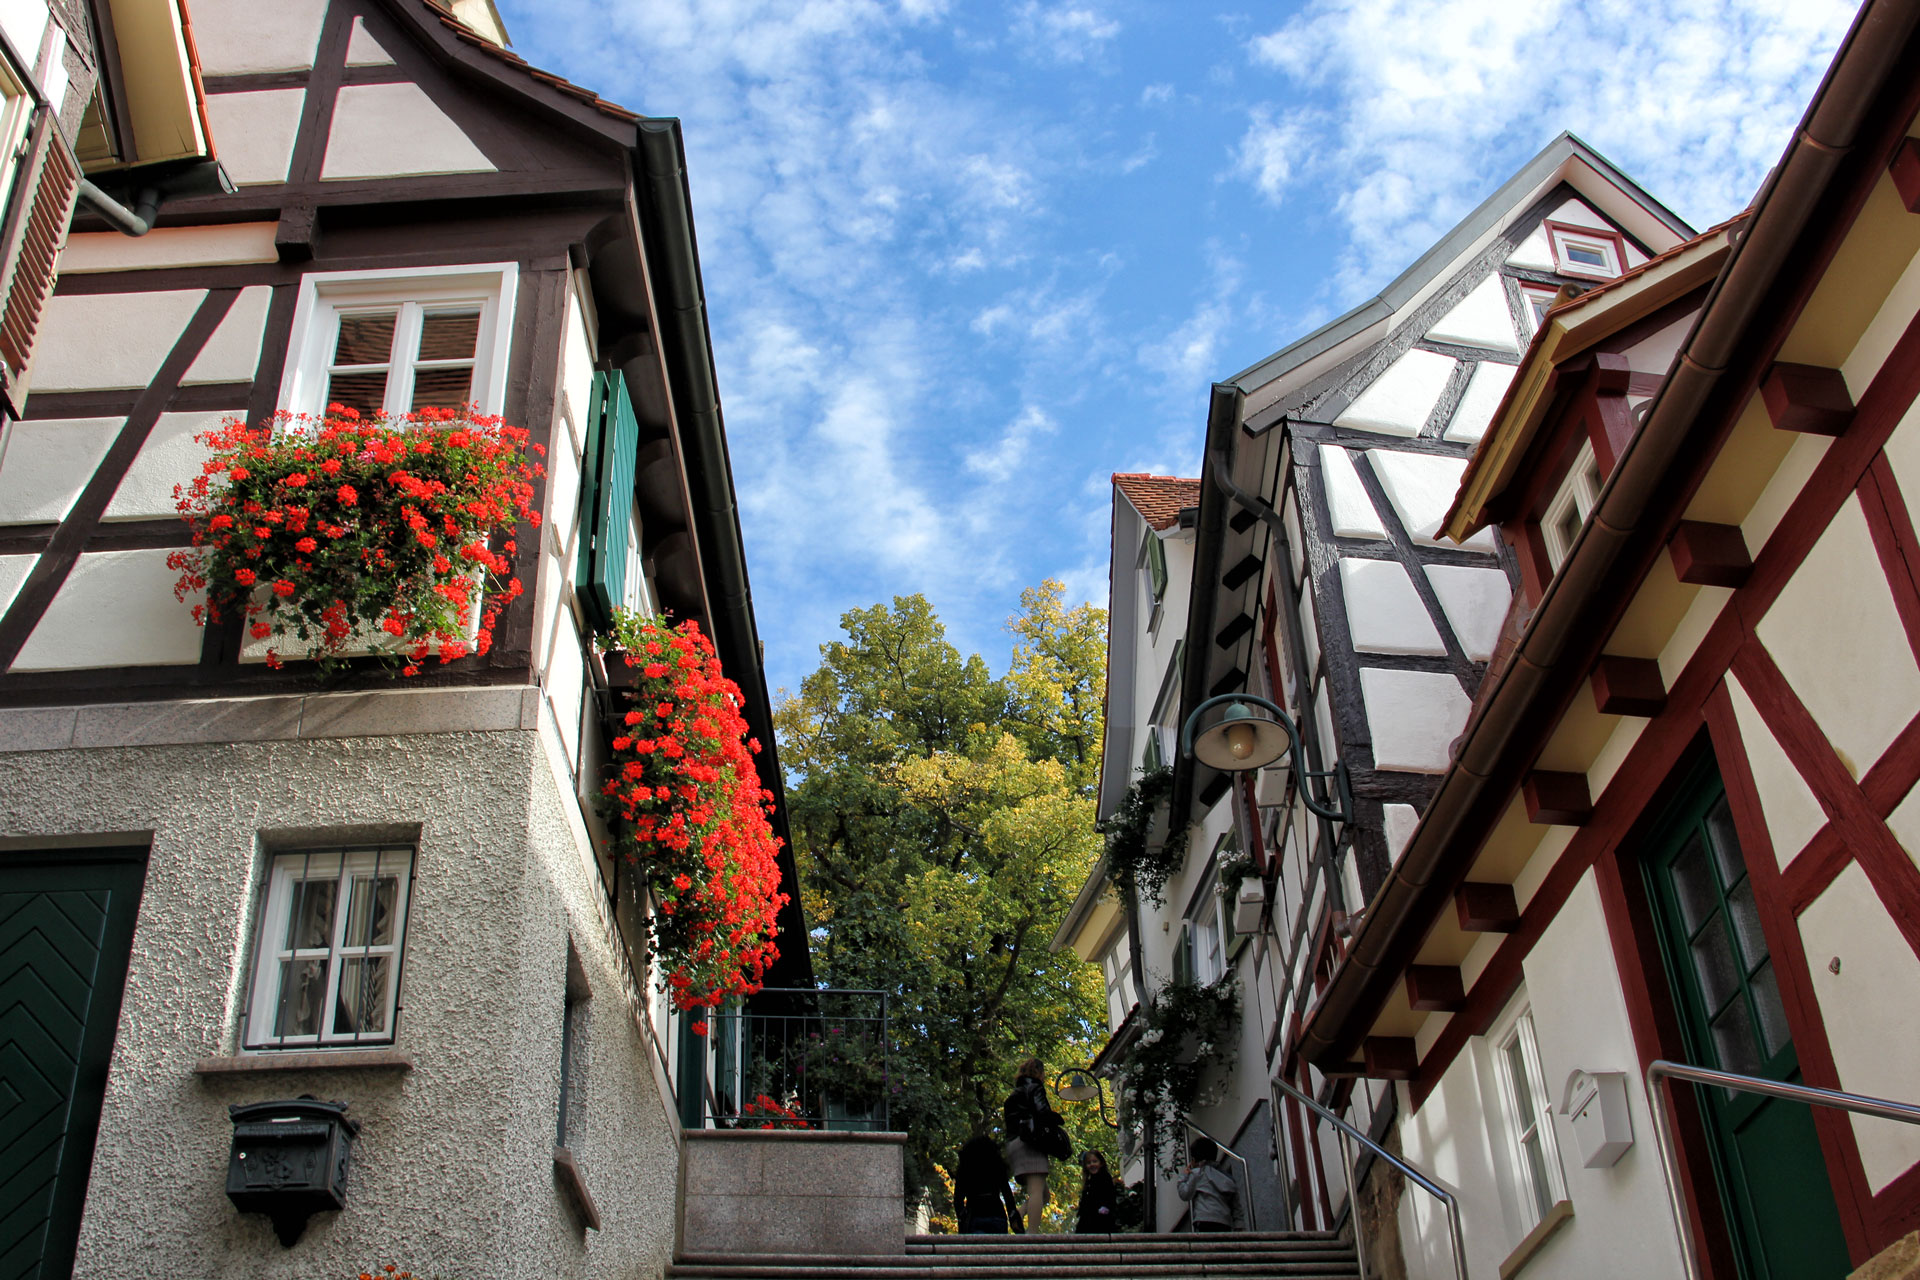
x=395, y=130
x=1533, y=253
x=1481, y=319
x=1476, y=408
x=1348, y=506
x=1399, y=401
x=234, y=37
x=255, y=132
x=48, y=463
x=1421, y=487
x=363, y=50
x=232, y=353
x=1576, y=214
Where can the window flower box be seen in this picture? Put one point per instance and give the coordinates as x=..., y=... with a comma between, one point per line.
x=342, y=536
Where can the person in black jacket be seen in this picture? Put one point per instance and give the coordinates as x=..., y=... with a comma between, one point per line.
x=983, y=1200
x=1098, y=1195
x=1023, y=1111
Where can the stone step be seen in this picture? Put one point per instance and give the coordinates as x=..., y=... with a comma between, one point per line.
x=738, y=1268
x=977, y=1261
x=1068, y=1239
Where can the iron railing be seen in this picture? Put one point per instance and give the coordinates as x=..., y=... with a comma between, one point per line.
x=800, y=1058
x=1662, y=1069
x=1407, y=1171
x=1245, y=1180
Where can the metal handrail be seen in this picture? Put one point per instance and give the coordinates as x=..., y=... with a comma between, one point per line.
x=1407, y=1171
x=1246, y=1174
x=1662, y=1069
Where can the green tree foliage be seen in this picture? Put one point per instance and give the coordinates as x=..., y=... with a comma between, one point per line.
x=943, y=821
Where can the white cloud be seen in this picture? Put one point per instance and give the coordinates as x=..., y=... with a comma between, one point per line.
x=1156, y=93
x=1062, y=32
x=1416, y=109
x=1012, y=449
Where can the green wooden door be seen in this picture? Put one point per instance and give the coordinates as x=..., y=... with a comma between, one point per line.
x=66, y=926
x=1766, y=1157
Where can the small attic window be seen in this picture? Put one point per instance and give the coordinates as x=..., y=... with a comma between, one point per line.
x=1534, y=302
x=1567, y=514
x=1581, y=251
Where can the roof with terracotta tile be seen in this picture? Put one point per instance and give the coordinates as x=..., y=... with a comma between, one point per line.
x=1159, y=499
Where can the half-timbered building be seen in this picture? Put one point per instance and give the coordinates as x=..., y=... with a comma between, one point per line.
x=1662, y=809
x=416, y=218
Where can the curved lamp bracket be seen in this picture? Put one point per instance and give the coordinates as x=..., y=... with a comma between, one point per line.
x=1338, y=807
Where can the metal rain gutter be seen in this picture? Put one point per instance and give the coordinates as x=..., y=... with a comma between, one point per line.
x=673, y=258
x=1419, y=883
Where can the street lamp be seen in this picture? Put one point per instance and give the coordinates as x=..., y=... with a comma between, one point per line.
x=1079, y=1084
x=1242, y=739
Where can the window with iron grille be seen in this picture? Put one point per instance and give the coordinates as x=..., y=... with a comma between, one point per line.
x=332, y=928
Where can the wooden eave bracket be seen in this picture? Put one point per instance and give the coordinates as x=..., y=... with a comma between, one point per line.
x=1391, y=1057
x=295, y=236
x=1435, y=988
x=1556, y=799
x=1486, y=908
x=1904, y=169
x=1628, y=686
x=1807, y=398
x=1709, y=555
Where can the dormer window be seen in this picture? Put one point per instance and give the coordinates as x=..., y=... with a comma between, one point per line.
x=1567, y=514
x=1581, y=251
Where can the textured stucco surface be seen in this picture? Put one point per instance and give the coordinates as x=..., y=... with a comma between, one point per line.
x=795, y=1193
x=453, y=1173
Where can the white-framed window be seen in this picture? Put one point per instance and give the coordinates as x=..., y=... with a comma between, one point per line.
x=393, y=342
x=1567, y=514
x=1207, y=936
x=327, y=970
x=1580, y=251
x=1526, y=1116
x=1116, y=967
x=1534, y=301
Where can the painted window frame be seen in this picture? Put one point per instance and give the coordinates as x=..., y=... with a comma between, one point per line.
x=1610, y=245
x=324, y=295
x=1578, y=493
x=1534, y=303
x=1514, y=1036
x=1115, y=959
x=1153, y=578
x=266, y=994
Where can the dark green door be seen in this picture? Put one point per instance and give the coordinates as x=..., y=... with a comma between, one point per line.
x=66, y=925
x=1772, y=1177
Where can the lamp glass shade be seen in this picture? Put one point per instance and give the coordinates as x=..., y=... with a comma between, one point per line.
x=1079, y=1087
x=1243, y=739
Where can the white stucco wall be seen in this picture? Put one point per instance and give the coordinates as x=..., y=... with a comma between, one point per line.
x=452, y=1173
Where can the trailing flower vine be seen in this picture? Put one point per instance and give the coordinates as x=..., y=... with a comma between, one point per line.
x=1188, y=1028
x=694, y=815
x=339, y=533
x=1132, y=860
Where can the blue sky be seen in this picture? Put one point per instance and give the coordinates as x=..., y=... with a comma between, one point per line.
x=965, y=260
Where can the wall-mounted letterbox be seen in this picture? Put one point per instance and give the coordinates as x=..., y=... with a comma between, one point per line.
x=289, y=1161
x=1595, y=1104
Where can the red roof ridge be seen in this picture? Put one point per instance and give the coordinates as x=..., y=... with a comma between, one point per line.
x=475, y=39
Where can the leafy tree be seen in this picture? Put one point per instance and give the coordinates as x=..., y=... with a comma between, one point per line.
x=943, y=821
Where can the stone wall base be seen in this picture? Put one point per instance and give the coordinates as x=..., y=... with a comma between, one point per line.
x=796, y=1192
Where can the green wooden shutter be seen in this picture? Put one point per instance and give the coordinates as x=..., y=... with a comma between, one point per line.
x=1150, y=758
x=1157, y=564
x=614, y=440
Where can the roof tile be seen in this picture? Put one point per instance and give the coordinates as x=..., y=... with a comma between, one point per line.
x=1159, y=499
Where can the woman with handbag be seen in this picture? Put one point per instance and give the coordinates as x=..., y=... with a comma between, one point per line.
x=1034, y=1133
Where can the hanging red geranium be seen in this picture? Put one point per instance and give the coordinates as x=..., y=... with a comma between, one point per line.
x=340, y=534
x=695, y=817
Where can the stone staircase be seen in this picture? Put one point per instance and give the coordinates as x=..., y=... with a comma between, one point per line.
x=1297, y=1255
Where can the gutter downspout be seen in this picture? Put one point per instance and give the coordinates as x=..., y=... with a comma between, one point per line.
x=660, y=172
x=1415, y=890
x=136, y=221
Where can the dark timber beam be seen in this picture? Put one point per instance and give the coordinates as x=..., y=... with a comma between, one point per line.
x=1248, y=566
x=1557, y=799
x=1230, y=634
x=1905, y=172
x=1807, y=398
x=1486, y=908
x=1391, y=1057
x=1435, y=988
x=1628, y=687
x=1709, y=555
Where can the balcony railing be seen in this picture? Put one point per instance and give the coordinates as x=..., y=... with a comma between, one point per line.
x=800, y=1058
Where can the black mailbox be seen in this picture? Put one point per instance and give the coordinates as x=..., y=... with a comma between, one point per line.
x=289, y=1161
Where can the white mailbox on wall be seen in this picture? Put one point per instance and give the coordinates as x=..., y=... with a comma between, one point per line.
x=1595, y=1103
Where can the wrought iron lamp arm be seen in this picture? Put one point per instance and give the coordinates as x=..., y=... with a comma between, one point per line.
x=1341, y=809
